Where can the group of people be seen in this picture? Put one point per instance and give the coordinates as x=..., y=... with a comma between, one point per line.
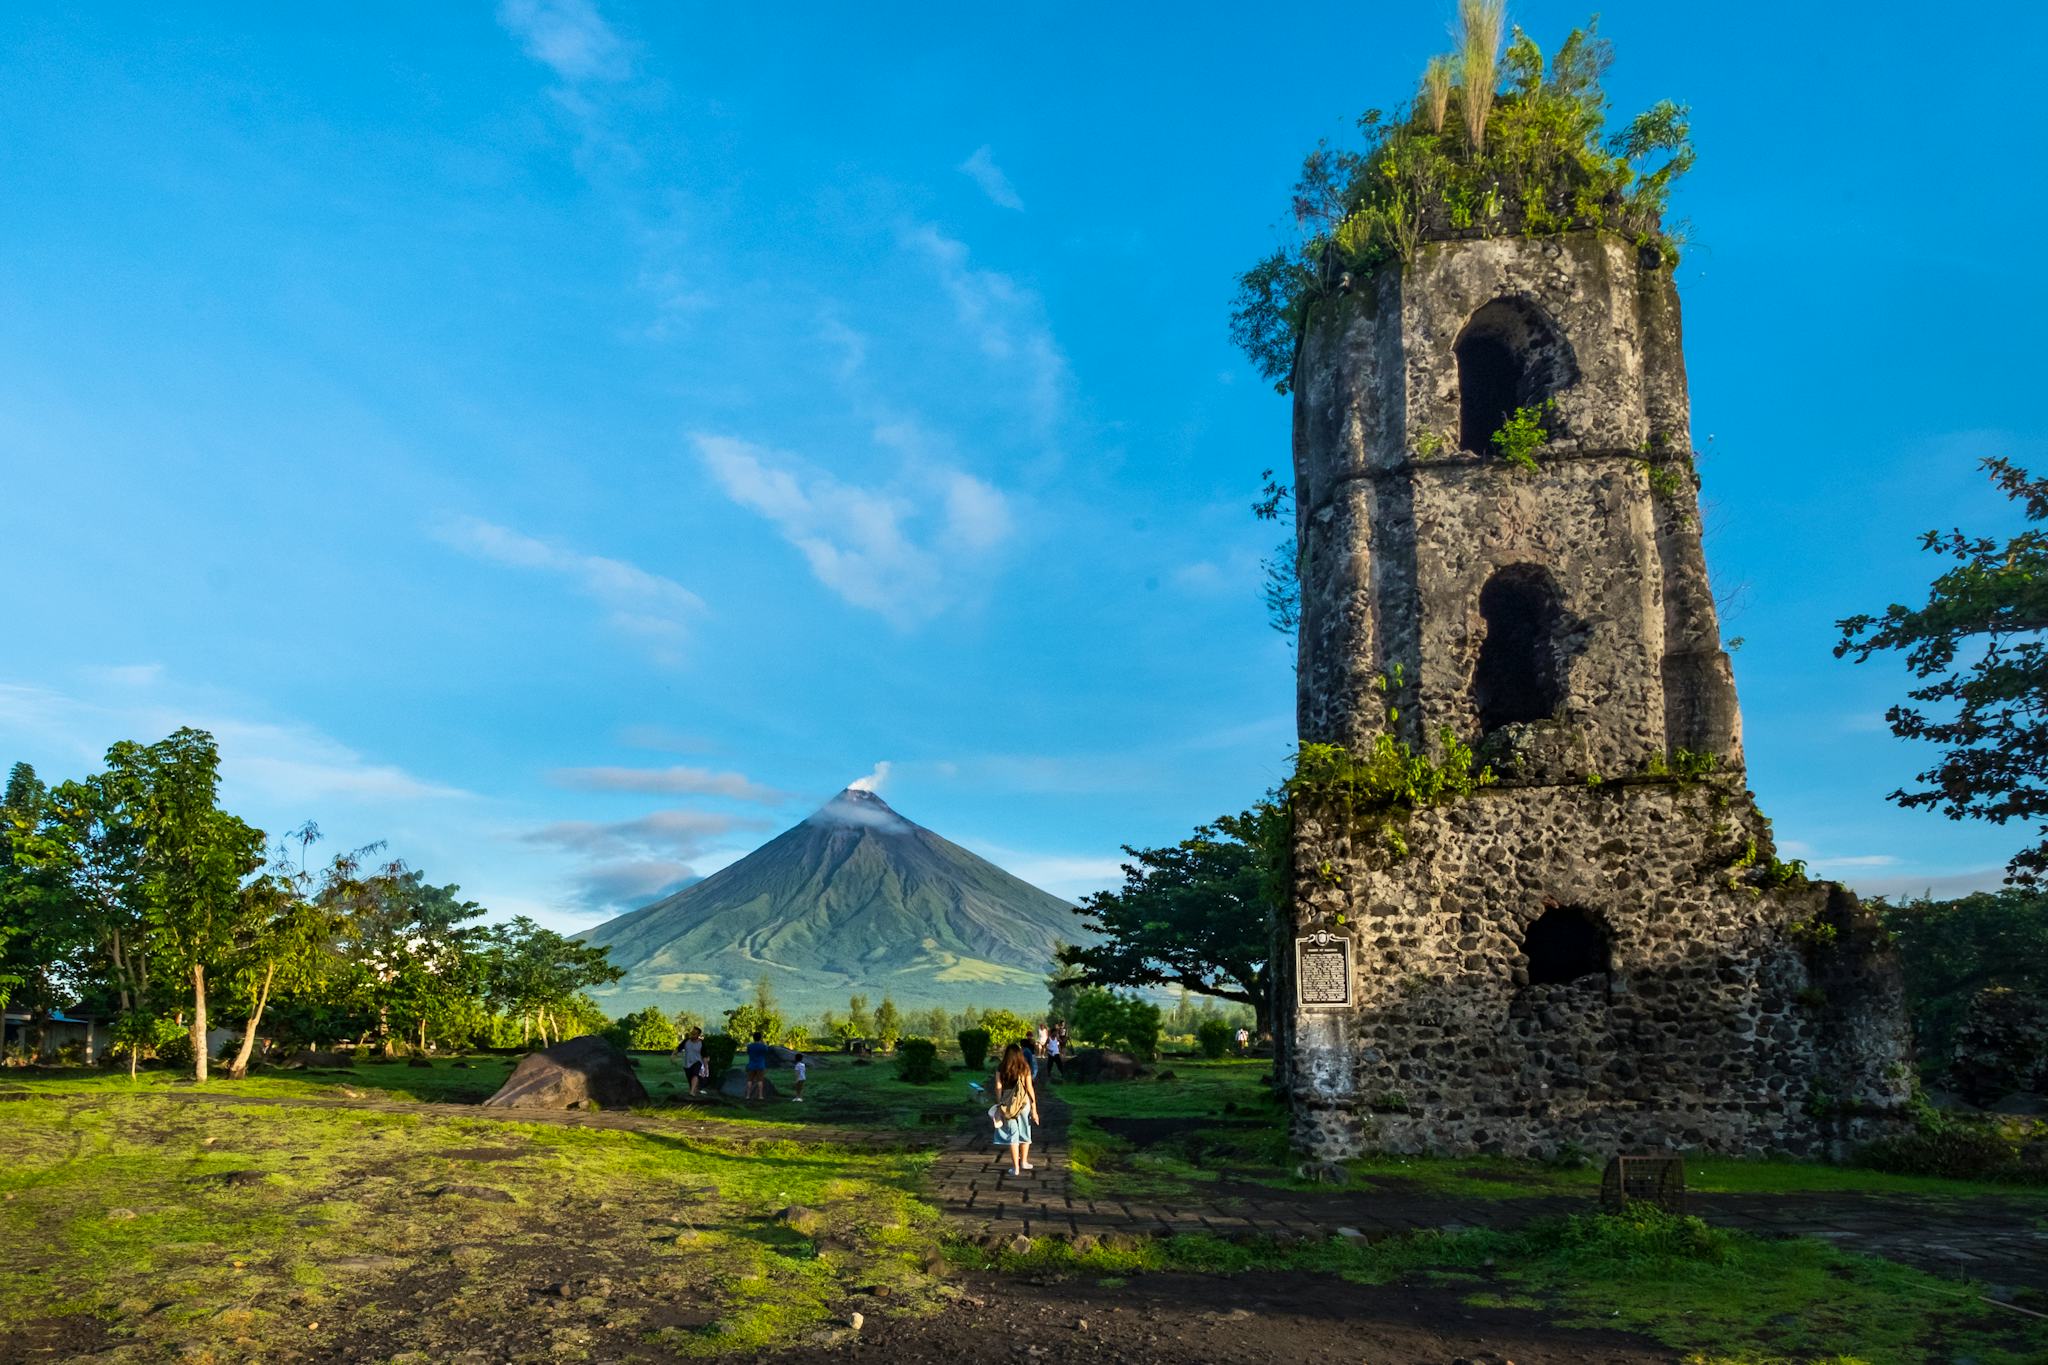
x=697, y=1069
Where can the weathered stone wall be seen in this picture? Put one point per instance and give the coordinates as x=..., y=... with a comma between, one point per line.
x=1730, y=1018
x=1725, y=1020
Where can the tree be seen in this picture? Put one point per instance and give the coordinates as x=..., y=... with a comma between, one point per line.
x=539, y=976
x=285, y=935
x=1117, y=1019
x=195, y=858
x=1199, y=914
x=647, y=1030
x=1977, y=643
x=888, y=1024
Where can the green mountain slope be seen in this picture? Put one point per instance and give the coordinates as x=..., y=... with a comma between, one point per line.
x=854, y=899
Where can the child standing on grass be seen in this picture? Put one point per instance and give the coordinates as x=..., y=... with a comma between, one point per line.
x=799, y=1067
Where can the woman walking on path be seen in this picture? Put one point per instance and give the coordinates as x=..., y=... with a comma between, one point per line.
x=1016, y=1108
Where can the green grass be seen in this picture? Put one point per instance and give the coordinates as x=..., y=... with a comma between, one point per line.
x=334, y=1222
x=839, y=1092
x=1691, y=1287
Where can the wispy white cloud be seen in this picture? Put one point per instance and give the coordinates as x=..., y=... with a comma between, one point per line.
x=1006, y=320
x=680, y=832
x=274, y=762
x=881, y=549
x=569, y=37
x=673, y=781
x=981, y=168
x=1068, y=875
x=628, y=862
x=655, y=608
x=1939, y=885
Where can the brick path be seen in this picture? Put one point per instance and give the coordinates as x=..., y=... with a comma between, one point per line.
x=1998, y=1243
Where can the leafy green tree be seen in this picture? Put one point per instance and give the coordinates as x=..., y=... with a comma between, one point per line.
x=647, y=1030
x=285, y=938
x=858, y=1019
x=1117, y=1019
x=195, y=859
x=1978, y=645
x=1199, y=914
x=1213, y=1037
x=888, y=1024
x=1952, y=950
x=539, y=976
x=1003, y=1028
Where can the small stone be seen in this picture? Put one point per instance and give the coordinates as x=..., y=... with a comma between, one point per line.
x=1021, y=1245
x=120, y=1215
x=1080, y=1324
x=855, y=1321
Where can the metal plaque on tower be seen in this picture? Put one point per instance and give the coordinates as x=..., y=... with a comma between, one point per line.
x=1322, y=970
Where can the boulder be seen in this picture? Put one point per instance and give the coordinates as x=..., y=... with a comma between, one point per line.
x=579, y=1072
x=735, y=1084
x=1102, y=1064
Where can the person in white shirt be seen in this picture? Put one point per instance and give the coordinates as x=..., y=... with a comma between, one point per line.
x=799, y=1079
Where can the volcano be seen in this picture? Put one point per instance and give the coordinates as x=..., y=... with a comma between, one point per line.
x=854, y=900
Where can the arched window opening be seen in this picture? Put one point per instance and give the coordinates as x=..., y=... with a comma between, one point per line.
x=1510, y=355
x=1520, y=676
x=1564, y=945
x=1487, y=386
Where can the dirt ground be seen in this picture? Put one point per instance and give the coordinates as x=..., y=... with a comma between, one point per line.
x=1251, y=1319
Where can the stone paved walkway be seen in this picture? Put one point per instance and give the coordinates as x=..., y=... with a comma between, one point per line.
x=1997, y=1243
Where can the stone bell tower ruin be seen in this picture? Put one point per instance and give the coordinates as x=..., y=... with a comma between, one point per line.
x=1599, y=948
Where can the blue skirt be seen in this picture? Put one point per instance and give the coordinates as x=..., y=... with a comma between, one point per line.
x=1014, y=1130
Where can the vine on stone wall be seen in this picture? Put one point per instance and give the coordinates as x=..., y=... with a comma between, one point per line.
x=1375, y=791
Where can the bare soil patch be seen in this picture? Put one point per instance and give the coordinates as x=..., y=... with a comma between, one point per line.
x=1252, y=1319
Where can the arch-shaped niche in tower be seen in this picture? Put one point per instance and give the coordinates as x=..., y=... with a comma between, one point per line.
x=1520, y=673
x=1510, y=355
x=1567, y=946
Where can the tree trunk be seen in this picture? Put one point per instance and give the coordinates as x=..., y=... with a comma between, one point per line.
x=199, y=1023
x=241, y=1063
x=134, y=1056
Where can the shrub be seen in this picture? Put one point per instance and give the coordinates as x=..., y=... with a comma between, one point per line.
x=1004, y=1028
x=1213, y=1037
x=1115, y=1019
x=175, y=1050
x=647, y=1031
x=1962, y=1151
x=719, y=1050
x=974, y=1043
x=744, y=1021
x=917, y=1061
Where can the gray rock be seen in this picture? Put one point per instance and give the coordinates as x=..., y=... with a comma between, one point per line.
x=577, y=1072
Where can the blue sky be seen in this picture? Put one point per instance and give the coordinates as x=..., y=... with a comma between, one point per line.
x=570, y=440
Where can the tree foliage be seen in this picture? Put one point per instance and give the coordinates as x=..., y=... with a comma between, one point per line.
x=1977, y=646
x=1198, y=914
x=1528, y=153
x=1954, y=950
x=1118, y=1019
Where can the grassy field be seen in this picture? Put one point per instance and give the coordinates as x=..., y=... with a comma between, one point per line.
x=1234, y=1128
x=137, y=1222
x=228, y=1232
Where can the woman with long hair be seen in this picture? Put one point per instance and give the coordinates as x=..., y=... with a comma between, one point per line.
x=1016, y=1107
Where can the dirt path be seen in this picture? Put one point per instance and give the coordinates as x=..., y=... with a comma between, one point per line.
x=1253, y=1319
